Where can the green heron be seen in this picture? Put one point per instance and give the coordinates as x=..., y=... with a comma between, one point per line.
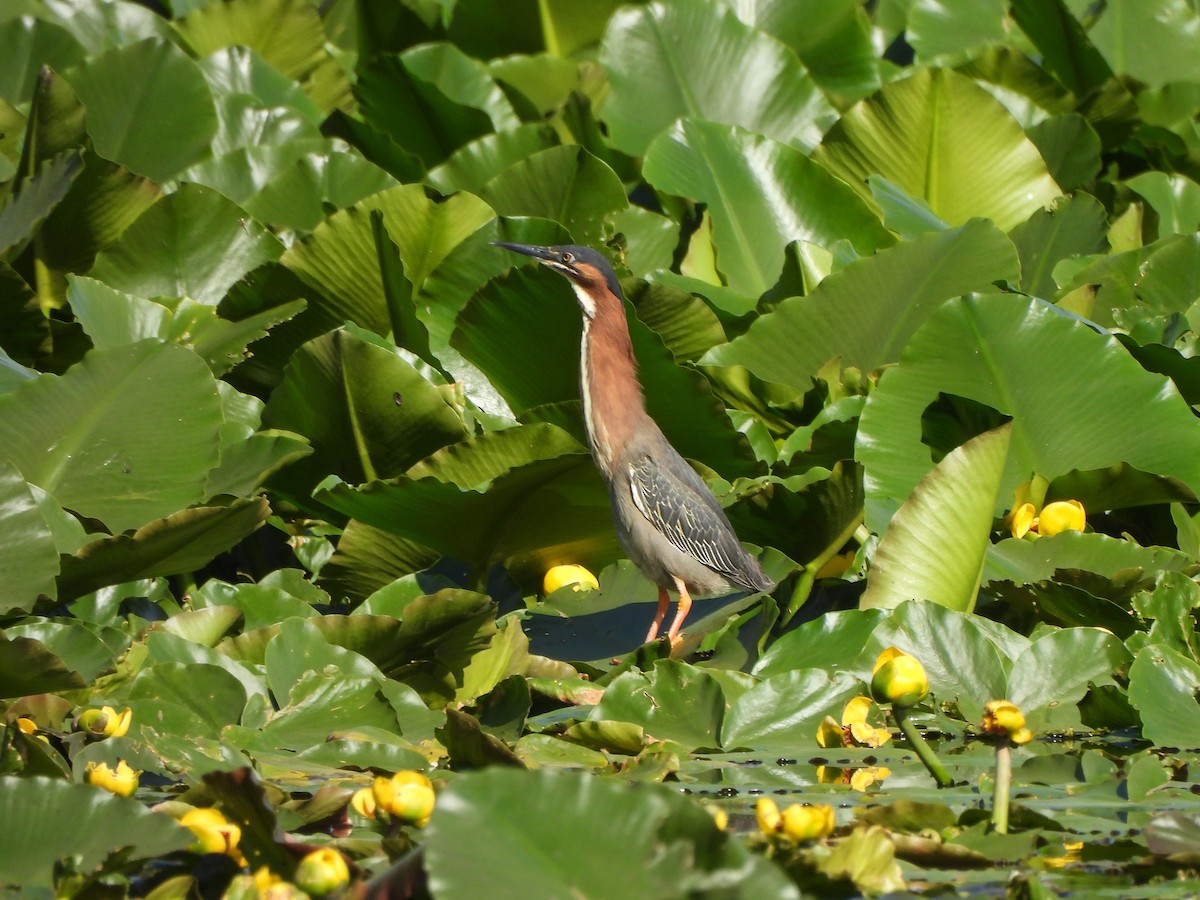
x=668, y=521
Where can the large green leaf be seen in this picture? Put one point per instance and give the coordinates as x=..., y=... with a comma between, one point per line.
x=565, y=184
x=784, y=710
x=529, y=518
x=1070, y=226
x=476, y=163
x=417, y=114
x=51, y=820
x=938, y=27
x=866, y=314
x=1155, y=41
x=694, y=59
x=1176, y=199
x=1025, y=562
x=126, y=436
x=672, y=702
x=1093, y=411
x=287, y=33
x=182, y=542
x=148, y=107
x=831, y=37
x=30, y=562
x=935, y=544
x=1162, y=686
x=942, y=138
x=762, y=195
x=193, y=243
x=532, y=837
x=368, y=413
x=1066, y=51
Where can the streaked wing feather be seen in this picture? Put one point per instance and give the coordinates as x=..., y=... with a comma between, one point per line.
x=691, y=521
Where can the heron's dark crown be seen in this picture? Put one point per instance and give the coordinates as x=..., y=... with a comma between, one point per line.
x=580, y=264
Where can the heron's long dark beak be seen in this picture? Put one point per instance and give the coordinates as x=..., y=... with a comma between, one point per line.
x=542, y=253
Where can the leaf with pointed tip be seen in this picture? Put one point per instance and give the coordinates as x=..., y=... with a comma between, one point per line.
x=182, y=542
x=935, y=545
x=866, y=313
x=35, y=198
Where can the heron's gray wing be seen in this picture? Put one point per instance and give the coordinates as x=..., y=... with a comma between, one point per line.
x=684, y=511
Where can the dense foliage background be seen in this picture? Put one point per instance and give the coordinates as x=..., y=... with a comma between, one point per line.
x=286, y=446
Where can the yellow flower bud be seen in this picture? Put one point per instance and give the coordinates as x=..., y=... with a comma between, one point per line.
x=561, y=576
x=122, y=780
x=27, y=725
x=407, y=796
x=1003, y=718
x=899, y=679
x=105, y=722
x=767, y=814
x=1060, y=516
x=363, y=802
x=802, y=822
x=214, y=833
x=322, y=872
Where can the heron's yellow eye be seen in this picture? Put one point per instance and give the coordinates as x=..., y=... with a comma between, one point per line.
x=568, y=258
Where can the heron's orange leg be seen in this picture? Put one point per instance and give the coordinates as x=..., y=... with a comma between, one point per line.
x=664, y=600
x=685, y=606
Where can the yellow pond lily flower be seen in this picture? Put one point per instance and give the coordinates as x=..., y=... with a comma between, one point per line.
x=808, y=822
x=1003, y=718
x=214, y=833
x=579, y=578
x=105, y=722
x=899, y=679
x=407, y=796
x=1032, y=517
x=854, y=730
x=122, y=780
x=322, y=872
x=798, y=823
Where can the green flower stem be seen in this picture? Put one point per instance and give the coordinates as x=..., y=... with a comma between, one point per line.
x=921, y=746
x=1003, y=784
x=808, y=575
